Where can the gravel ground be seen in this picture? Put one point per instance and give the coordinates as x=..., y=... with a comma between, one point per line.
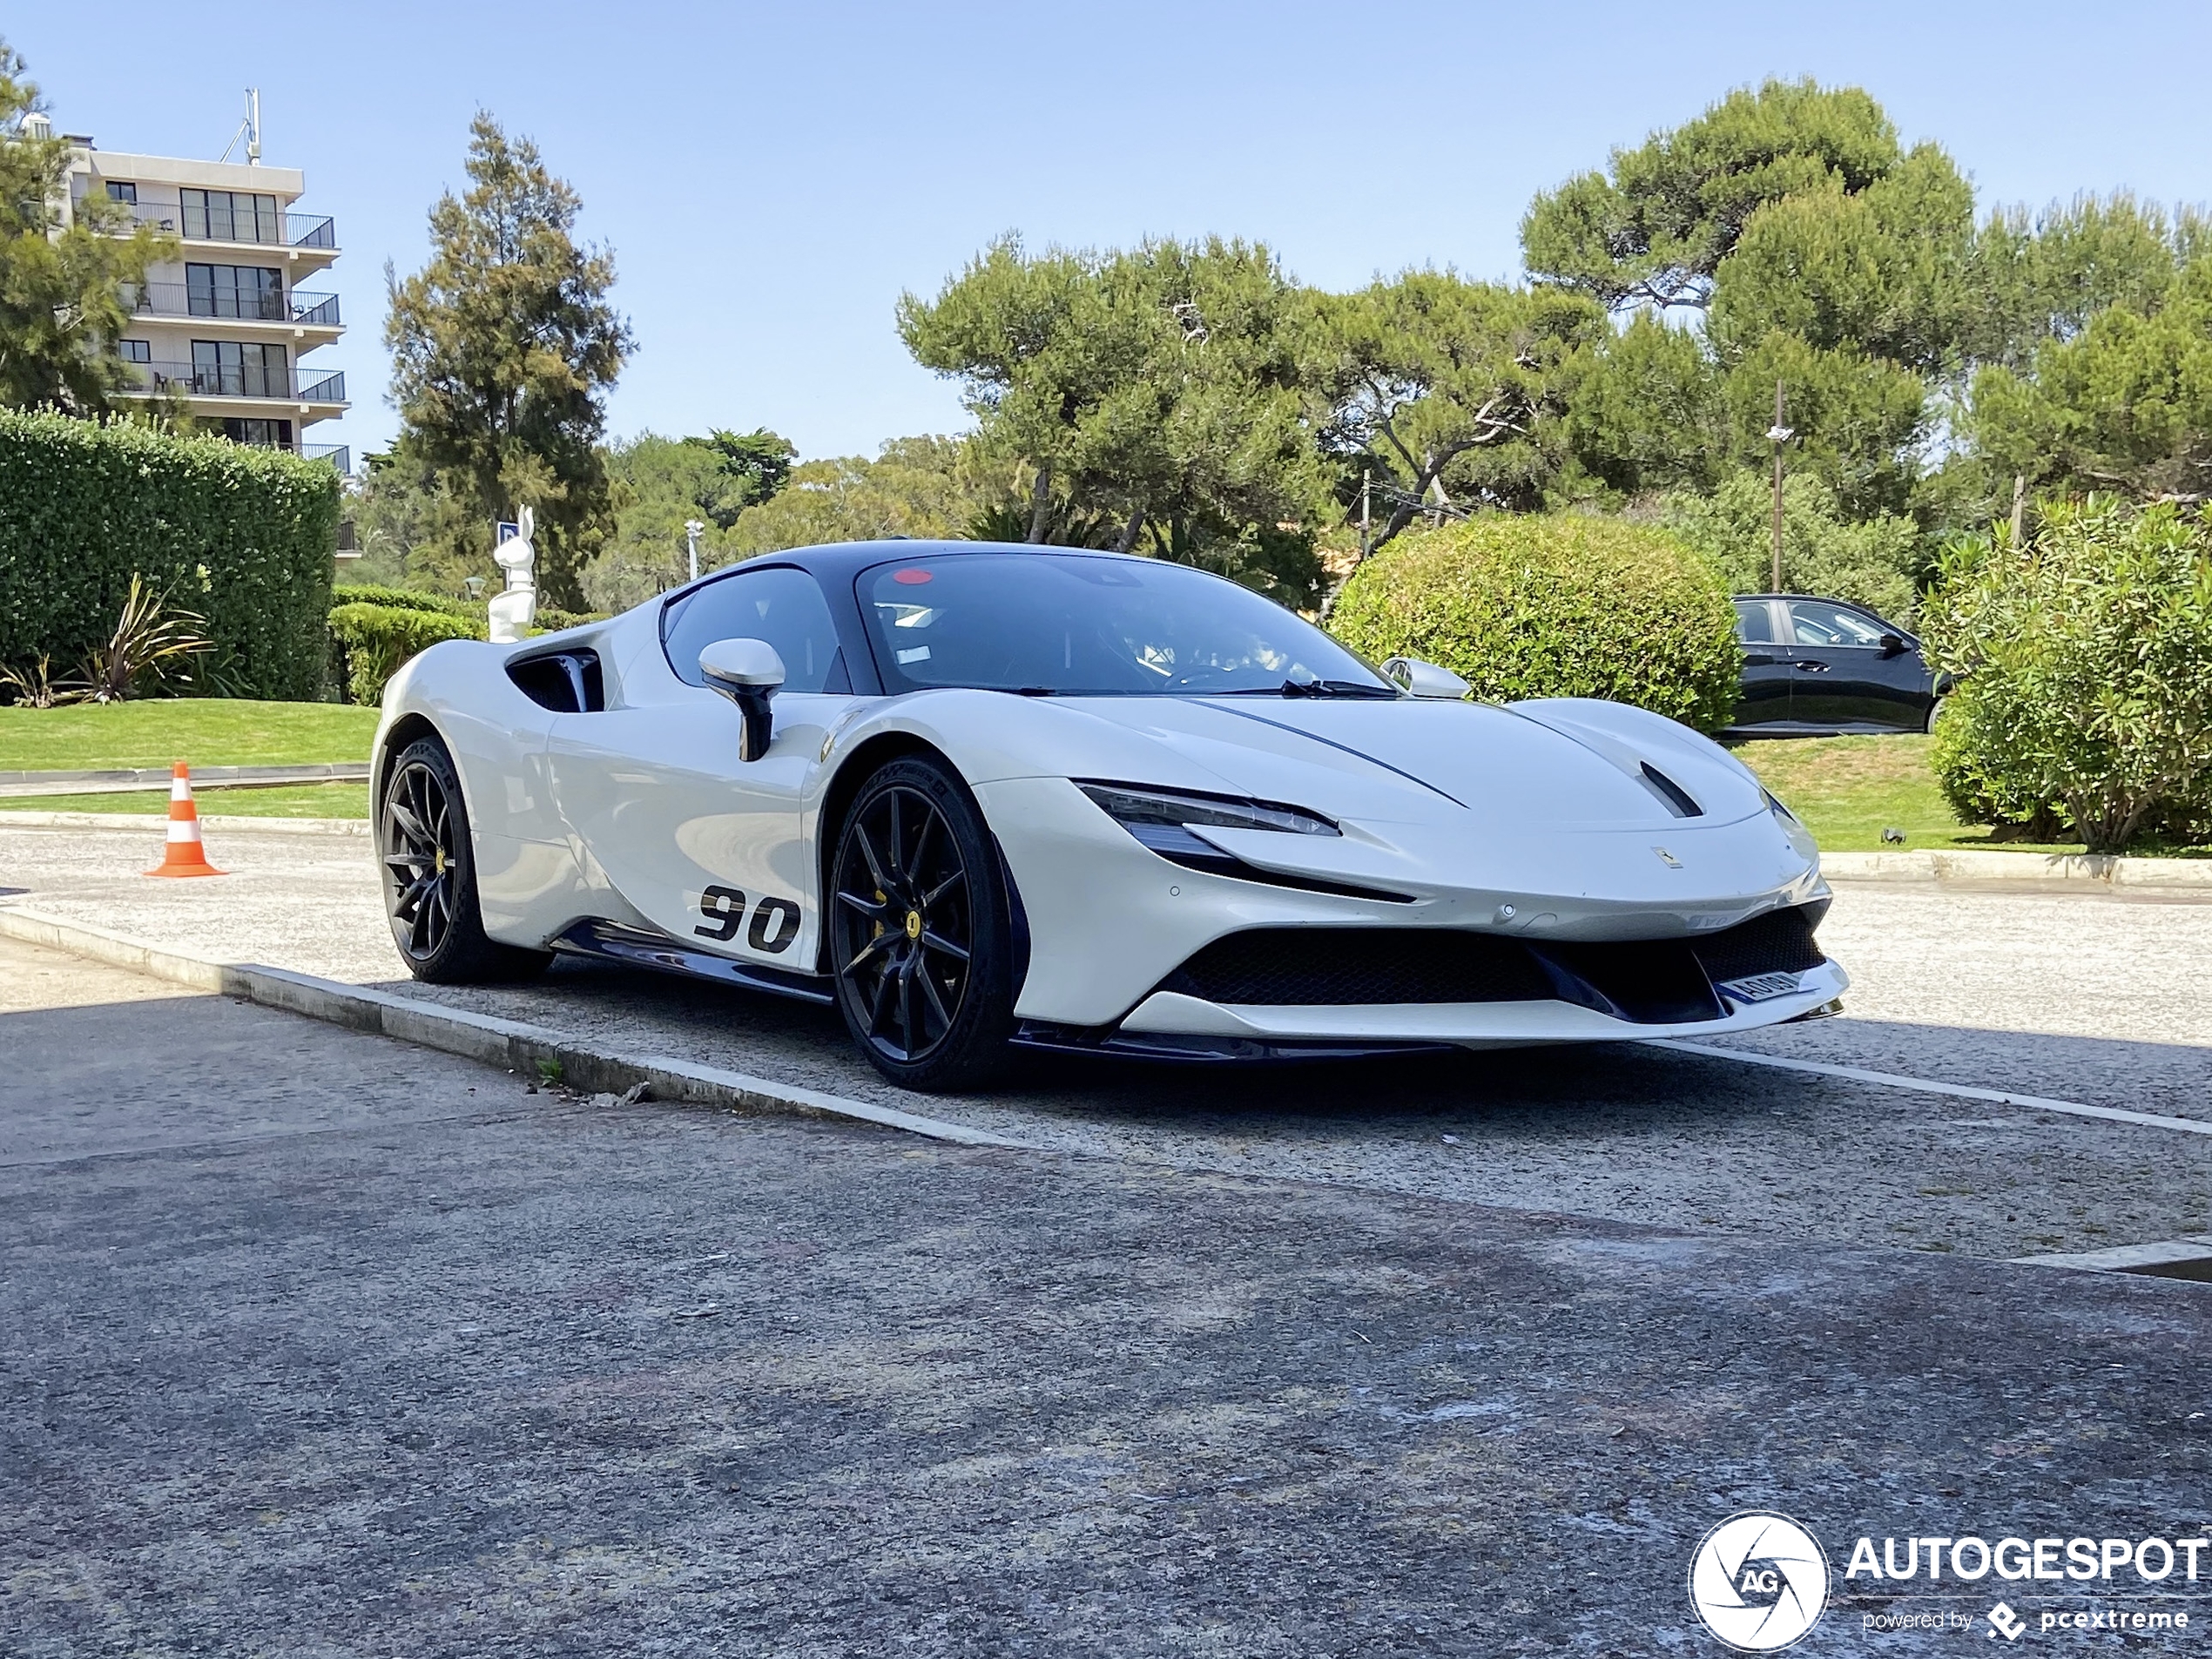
x=318, y=1345
x=2081, y=996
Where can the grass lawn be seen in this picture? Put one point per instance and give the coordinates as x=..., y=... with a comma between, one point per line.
x=1848, y=790
x=284, y=800
x=206, y=730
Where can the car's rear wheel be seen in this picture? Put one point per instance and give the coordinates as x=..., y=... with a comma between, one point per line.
x=430, y=868
x=920, y=940
x=1935, y=712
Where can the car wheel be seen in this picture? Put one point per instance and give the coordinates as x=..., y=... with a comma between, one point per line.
x=920, y=935
x=430, y=875
x=1935, y=711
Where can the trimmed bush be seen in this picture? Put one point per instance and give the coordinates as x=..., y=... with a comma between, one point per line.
x=368, y=593
x=242, y=536
x=2084, y=658
x=1553, y=605
x=376, y=639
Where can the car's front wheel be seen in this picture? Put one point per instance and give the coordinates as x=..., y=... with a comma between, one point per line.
x=430, y=868
x=921, y=939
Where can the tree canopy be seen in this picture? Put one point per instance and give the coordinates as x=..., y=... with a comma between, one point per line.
x=1162, y=390
x=503, y=347
x=65, y=290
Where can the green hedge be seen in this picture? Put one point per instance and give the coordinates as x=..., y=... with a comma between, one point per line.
x=368, y=593
x=374, y=640
x=1553, y=605
x=243, y=536
x=2084, y=698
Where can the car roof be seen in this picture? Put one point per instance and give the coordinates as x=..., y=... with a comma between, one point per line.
x=842, y=561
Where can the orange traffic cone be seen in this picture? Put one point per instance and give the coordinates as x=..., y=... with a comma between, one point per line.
x=185, y=855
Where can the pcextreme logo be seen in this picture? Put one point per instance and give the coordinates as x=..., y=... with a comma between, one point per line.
x=1759, y=1581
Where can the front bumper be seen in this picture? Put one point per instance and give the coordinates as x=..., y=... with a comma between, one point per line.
x=1465, y=1025
x=1109, y=920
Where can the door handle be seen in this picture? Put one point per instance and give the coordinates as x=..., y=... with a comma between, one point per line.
x=1813, y=668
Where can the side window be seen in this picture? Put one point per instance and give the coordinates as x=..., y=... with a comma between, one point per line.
x=1819, y=624
x=1755, y=622
x=783, y=606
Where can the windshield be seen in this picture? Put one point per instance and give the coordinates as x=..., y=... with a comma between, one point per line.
x=1066, y=624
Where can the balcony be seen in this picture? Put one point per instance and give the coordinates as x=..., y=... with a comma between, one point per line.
x=268, y=230
x=177, y=299
x=244, y=381
x=336, y=454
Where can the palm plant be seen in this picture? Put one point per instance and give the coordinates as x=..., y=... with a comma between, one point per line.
x=150, y=643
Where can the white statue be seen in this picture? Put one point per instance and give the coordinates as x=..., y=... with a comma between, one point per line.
x=512, y=608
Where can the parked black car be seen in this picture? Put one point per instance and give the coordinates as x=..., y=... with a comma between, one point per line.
x=1818, y=667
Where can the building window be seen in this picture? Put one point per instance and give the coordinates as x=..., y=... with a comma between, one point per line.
x=235, y=368
x=135, y=351
x=118, y=190
x=231, y=216
x=265, y=434
x=235, y=291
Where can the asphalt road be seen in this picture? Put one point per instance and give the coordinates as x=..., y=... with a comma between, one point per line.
x=2095, y=998
x=314, y=1344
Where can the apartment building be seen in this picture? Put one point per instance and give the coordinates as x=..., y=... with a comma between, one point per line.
x=228, y=325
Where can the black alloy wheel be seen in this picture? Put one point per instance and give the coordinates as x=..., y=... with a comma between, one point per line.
x=919, y=934
x=430, y=878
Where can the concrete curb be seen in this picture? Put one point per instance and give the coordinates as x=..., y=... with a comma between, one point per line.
x=2102, y=869
x=71, y=783
x=140, y=824
x=508, y=1044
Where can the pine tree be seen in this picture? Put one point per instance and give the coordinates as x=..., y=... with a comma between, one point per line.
x=503, y=347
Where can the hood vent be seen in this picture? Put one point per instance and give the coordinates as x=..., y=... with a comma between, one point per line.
x=1678, y=798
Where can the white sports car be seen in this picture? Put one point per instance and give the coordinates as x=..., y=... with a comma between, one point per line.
x=980, y=796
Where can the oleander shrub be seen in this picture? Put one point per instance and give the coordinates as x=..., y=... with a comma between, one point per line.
x=1553, y=605
x=241, y=537
x=2084, y=700
x=374, y=640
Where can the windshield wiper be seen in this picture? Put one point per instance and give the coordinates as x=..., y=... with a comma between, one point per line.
x=1334, y=688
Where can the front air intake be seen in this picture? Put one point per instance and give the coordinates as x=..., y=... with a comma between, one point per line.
x=1660, y=981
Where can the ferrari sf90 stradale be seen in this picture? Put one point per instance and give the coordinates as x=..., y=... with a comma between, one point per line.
x=982, y=796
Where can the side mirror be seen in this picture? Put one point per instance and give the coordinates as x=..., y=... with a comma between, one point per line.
x=1892, y=645
x=1426, y=679
x=748, y=673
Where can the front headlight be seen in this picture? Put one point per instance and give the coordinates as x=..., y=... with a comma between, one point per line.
x=1163, y=818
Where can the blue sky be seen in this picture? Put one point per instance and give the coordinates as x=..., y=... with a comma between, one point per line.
x=772, y=179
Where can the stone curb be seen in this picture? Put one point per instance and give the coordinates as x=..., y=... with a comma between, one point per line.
x=140, y=823
x=509, y=1044
x=64, y=783
x=2103, y=869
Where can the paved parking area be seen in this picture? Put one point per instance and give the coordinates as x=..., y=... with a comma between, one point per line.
x=316, y=1344
x=2087, y=997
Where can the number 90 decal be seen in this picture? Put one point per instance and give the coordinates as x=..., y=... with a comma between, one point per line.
x=775, y=921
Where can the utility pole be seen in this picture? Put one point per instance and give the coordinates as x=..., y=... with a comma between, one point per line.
x=1366, y=520
x=691, y=529
x=2020, y=508
x=1777, y=435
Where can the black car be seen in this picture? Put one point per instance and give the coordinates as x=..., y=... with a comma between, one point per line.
x=1817, y=667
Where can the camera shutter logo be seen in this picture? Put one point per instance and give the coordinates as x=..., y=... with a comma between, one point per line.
x=1759, y=1581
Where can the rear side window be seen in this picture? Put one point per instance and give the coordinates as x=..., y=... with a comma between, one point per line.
x=783, y=606
x=1755, y=622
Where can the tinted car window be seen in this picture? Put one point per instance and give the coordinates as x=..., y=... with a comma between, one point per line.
x=1820, y=625
x=1755, y=622
x=783, y=606
x=1092, y=627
